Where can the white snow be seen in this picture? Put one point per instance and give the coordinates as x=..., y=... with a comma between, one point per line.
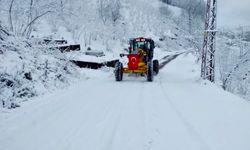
x=177, y=112
x=47, y=69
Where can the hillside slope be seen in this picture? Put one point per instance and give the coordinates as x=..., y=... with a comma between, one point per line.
x=28, y=69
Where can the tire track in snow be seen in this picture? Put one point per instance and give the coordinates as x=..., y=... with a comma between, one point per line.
x=82, y=108
x=109, y=128
x=115, y=128
x=77, y=130
x=189, y=127
x=147, y=138
x=165, y=60
x=149, y=129
x=75, y=114
x=104, y=122
x=129, y=134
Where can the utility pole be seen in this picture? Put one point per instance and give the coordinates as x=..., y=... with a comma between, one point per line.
x=208, y=51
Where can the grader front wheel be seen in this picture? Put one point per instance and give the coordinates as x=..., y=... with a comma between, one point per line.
x=118, y=71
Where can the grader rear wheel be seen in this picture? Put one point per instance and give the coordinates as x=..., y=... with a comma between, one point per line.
x=150, y=72
x=156, y=66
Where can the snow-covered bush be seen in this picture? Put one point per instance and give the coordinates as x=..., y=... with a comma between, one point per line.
x=233, y=61
x=28, y=69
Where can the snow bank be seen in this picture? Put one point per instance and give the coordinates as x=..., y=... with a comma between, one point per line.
x=28, y=70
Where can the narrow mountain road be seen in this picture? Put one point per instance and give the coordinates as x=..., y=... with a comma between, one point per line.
x=175, y=112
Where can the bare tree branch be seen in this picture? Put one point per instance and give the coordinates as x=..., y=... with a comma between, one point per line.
x=10, y=15
x=30, y=18
x=33, y=21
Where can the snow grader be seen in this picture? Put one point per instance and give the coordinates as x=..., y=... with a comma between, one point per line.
x=140, y=60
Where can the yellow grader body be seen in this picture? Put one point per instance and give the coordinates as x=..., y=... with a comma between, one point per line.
x=142, y=68
x=140, y=60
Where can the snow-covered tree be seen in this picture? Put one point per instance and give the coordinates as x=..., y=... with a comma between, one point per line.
x=22, y=15
x=234, y=60
x=109, y=10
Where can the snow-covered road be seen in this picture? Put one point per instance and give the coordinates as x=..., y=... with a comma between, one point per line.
x=175, y=112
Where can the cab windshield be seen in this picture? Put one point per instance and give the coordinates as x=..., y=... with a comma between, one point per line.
x=143, y=45
x=139, y=45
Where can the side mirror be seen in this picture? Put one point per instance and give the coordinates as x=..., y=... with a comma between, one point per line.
x=125, y=49
x=130, y=49
x=122, y=55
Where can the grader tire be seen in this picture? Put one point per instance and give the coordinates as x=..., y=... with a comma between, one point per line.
x=118, y=71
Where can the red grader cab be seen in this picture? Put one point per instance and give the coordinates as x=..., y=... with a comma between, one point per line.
x=140, y=60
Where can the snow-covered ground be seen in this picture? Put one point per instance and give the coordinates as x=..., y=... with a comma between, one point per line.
x=177, y=112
